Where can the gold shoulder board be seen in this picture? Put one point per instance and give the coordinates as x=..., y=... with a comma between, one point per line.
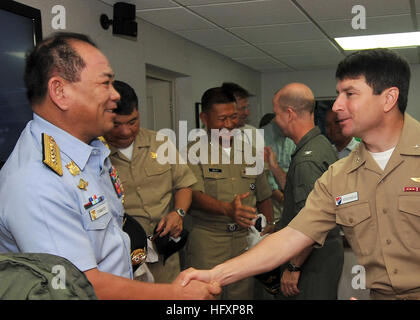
x=51, y=154
x=102, y=139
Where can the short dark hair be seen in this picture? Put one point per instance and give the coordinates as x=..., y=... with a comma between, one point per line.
x=53, y=54
x=266, y=119
x=214, y=96
x=236, y=90
x=382, y=69
x=128, y=101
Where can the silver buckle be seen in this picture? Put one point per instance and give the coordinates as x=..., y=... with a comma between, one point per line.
x=231, y=227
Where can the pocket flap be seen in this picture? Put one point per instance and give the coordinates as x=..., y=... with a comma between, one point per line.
x=352, y=215
x=409, y=204
x=249, y=176
x=156, y=169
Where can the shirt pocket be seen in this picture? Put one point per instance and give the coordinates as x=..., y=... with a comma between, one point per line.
x=358, y=227
x=156, y=183
x=249, y=183
x=215, y=179
x=409, y=208
x=156, y=169
x=100, y=223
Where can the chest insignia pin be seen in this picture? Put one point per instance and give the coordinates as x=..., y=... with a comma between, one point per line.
x=82, y=184
x=73, y=168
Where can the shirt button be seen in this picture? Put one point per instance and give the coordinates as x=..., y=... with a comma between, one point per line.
x=233, y=179
x=395, y=271
x=388, y=241
x=351, y=220
x=384, y=211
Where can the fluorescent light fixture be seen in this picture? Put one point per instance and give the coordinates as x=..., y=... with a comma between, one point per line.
x=390, y=40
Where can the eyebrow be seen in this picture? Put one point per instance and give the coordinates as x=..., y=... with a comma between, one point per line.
x=132, y=119
x=108, y=74
x=347, y=89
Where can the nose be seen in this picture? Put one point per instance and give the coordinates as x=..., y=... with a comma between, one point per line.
x=229, y=124
x=125, y=130
x=338, y=104
x=115, y=96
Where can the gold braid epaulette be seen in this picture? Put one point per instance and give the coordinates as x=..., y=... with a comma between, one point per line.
x=51, y=154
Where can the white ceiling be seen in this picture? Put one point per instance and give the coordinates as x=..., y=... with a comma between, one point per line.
x=279, y=35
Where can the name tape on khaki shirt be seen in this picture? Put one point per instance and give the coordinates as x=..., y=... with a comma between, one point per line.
x=350, y=197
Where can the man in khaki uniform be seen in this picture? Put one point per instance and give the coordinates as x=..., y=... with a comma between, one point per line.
x=154, y=193
x=374, y=193
x=225, y=196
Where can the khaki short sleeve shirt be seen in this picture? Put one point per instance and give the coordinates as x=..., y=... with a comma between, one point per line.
x=378, y=210
x=223, y=181
x=148, y=185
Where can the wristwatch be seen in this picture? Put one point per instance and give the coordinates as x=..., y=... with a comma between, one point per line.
x=181, y=212
x=292, y=268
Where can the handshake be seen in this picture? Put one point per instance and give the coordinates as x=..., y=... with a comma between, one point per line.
x=195, y=284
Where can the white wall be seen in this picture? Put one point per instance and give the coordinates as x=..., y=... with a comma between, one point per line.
x=202, y=68
x=322, y=83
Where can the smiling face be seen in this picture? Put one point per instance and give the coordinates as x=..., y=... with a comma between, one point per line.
x=126, y=128
x=221, y=116
x=93, y=98
x=359, y=110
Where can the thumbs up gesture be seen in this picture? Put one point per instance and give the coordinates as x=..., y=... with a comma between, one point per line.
x=243, y=215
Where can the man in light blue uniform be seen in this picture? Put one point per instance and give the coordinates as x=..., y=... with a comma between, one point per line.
x=42, y=211
x=59, y=193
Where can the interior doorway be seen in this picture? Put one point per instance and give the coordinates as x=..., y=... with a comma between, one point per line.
x=160, y=106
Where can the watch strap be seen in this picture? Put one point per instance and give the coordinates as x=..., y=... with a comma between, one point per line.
x=292, y=268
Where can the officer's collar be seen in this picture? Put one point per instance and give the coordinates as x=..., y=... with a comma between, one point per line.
x=143, y=139
x=315, y=131
x=75, y=149
x=408, y=144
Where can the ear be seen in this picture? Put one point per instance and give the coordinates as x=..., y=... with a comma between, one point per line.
x=291, y=114
x=204, y=117
x=391, y=98
x=57, y=92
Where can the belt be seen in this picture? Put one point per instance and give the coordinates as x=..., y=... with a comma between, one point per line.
x=231, y=227
x=218, y=226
